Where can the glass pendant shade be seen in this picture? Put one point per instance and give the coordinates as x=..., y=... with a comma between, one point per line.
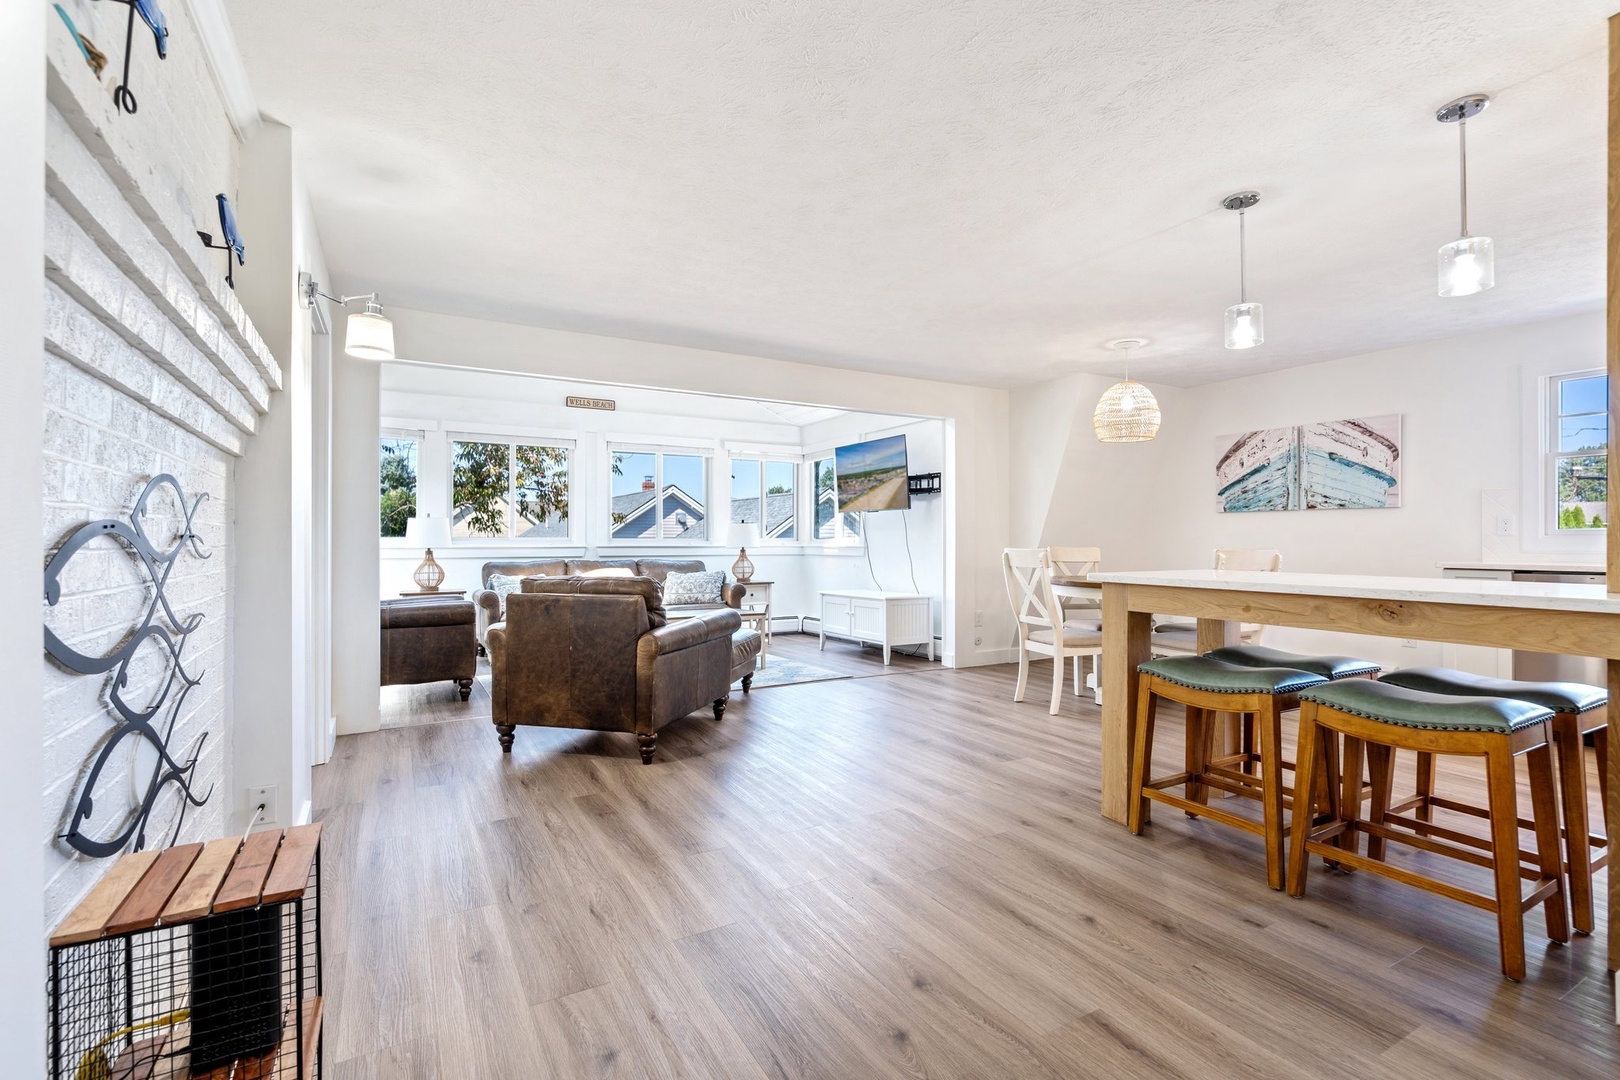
x=370, y=335
x=1467, y=266
x=1245, y=326
x=1127, y=412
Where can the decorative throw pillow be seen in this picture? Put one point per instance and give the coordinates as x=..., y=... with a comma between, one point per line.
x=504, y=585
x=610, y=571
x=700, y=588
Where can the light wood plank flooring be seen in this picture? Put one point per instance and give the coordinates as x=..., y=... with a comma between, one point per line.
x=903, y=876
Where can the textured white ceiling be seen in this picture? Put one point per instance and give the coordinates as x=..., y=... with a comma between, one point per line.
x=976, y=190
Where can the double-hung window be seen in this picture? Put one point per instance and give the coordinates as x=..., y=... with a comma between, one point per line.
x=659, y=494
x=397, y=470
x=1578, y=450
x=763, y=493
x=510, y=488
x=830, y=525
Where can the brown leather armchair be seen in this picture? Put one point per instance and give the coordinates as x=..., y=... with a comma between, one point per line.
x=599, y=654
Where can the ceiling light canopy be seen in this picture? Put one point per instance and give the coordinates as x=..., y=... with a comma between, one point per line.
x=1245, y=322
x=1127, y=412
x=1468, y=263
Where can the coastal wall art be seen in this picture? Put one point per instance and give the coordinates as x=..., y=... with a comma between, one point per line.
x=1326, y=465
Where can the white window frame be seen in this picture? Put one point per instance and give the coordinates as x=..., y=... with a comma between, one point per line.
x=658, y=450
x=764, y=456
x=417, y=436
x=1551, y=454
x=511, y=440
x=843, y=537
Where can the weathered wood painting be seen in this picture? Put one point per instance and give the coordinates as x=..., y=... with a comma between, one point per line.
x=1327, y=465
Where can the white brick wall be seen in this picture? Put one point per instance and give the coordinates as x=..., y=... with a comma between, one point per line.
x=150, y=367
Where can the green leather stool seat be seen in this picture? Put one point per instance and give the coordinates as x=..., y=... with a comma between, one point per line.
x=1219, y=677
x=1331, y=668
x=1391, y=704
x=1561, y=697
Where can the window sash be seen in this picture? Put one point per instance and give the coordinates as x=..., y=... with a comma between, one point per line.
x=414, y=441
x=705, y=501
x=511, y=498
x=788, y=530
x=1555, y=455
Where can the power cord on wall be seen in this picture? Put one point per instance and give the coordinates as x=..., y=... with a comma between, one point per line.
x=866, y=546
x=912, y=563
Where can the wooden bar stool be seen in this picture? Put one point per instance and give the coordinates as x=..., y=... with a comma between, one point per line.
x=1578, y=710
x=1385, y=718
x=1331, y=668
x=1207, y=687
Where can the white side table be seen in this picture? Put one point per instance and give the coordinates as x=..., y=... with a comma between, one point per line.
x=758, y=597
x=878, y=618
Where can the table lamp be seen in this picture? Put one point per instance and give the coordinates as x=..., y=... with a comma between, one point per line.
x=428, y=532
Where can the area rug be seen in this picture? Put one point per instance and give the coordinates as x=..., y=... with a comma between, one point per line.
x=779, y=671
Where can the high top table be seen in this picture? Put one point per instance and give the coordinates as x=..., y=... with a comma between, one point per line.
x=1571, y=619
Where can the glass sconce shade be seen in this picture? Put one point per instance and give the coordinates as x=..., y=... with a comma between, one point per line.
x=370, y=336
x=1467, y=266
x=1245, y=326
x=1127, y=412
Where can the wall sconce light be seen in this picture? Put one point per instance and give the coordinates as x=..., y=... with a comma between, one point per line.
x=370, y=333
x=1245, y=322
x=1468, y=263
x=232, y=238
x=150, y=14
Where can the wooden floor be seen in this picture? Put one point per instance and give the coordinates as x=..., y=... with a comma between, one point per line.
x=903, y=876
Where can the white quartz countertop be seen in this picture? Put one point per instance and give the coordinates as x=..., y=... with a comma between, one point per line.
x=1550, y=567
x=1547, y=596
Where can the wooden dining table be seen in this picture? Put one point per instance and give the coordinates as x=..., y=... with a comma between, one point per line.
x=1569, y=619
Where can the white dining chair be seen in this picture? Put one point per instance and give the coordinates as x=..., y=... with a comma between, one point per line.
x=1071, y=565
x=1179, y=637
x=1042, y=631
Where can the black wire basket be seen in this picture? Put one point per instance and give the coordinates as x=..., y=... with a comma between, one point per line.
x=199, y=961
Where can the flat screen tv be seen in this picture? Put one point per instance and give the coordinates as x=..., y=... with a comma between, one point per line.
x=872, y=475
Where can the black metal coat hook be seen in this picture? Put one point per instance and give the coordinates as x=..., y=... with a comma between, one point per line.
x=152, y=15
x=232, y=238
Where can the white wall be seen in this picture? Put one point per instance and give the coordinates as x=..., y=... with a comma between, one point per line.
x=1465, y=434
x=975, y=466
x=276, y=678
x=22, y=774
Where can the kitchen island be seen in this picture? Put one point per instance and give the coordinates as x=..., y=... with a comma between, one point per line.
x=1548, y=617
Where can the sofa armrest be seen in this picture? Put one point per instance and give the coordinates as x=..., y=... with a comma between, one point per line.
x=687, y=633
x=734, y=594
x=487, y=606
x=495, y=643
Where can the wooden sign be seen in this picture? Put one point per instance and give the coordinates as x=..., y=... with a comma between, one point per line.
x=604, y=404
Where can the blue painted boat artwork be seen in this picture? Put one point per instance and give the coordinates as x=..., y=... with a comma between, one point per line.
x=1257, y=470
x=1351, y=464
x=1328, y=465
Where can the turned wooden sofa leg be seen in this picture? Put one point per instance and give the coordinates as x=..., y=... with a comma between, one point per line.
x=649, y=743
x=748, y=682
x=719, y=707
x=465, y=685
x=505, y=731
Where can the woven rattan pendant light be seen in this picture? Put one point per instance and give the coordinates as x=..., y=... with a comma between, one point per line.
x=1127, y=412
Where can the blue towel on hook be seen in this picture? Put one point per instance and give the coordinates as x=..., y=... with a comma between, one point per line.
x=153, y=17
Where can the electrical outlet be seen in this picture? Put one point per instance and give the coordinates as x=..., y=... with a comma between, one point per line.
x=266, y=797
x=978, y=618
x=1408, y=643
x=1504, y=525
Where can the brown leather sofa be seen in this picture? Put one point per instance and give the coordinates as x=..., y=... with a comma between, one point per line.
x=489, y=603
x=600, y=654
x=429, y=638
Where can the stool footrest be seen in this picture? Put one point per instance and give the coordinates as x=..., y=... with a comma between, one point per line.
x=1214, y=813
x=1358, y=861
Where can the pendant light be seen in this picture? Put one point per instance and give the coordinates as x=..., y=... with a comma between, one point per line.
x=1468, y=263
x=1245, y=322
x=1127, y=412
